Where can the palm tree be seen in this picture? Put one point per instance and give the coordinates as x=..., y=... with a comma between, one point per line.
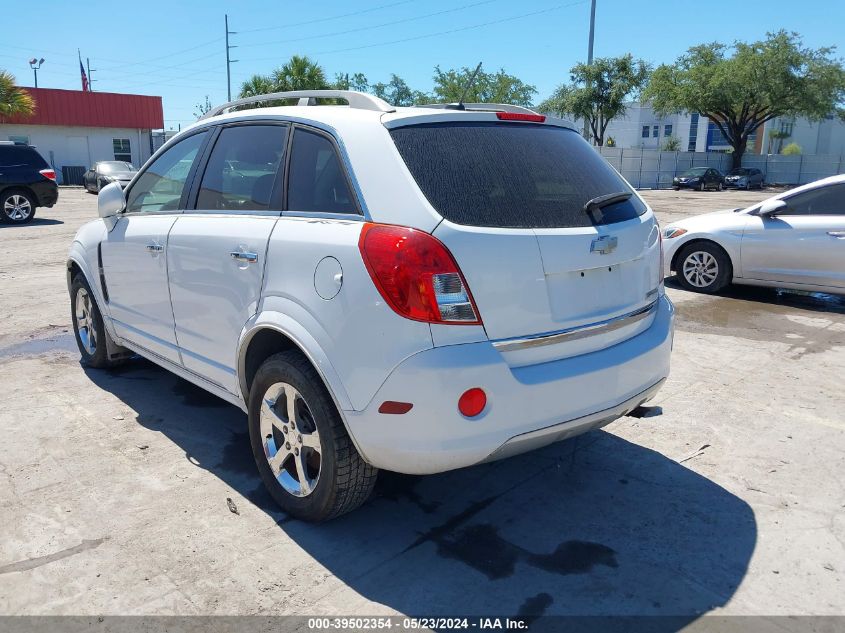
x=300, y=73
x=14, y=100
x=257, y=85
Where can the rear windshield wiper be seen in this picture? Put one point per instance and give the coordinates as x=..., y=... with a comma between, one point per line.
x=594, y=206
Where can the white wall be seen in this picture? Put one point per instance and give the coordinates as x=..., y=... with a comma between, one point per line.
x=64, y=145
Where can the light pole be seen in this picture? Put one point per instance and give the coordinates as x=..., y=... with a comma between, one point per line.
x=35, y=64
x=590, y=55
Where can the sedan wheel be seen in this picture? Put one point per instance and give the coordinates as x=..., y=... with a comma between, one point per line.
x=700, y=269
x=291, y=440
x=701, y=186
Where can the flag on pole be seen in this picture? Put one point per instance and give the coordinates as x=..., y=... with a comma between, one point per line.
x=85, y=87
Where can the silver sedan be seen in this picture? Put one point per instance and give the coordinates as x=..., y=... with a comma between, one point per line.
x=795, y=240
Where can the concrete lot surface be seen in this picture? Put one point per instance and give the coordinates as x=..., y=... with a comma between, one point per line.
x=725, y=497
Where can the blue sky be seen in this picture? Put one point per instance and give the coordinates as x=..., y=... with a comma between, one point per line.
x=176, y=50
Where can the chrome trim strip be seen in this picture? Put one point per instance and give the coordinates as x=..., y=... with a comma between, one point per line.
x=575, y=333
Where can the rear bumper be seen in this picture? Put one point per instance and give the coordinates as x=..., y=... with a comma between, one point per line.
x=47, y=193
x=527, y=407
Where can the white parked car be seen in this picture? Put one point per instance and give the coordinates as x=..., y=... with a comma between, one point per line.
x=414, y=289
x=794, y=240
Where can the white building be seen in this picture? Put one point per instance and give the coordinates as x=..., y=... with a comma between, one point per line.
x=641, y=127
x=73, y=129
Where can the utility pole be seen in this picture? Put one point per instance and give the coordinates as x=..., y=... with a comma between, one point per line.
x=229, y=61
x=90, y=78
x=590, y=55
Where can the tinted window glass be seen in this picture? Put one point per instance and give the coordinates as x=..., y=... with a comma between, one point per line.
x=21, y=155
x=828, y=200
x=511, y=174
x=316, y=181
x=160, y=187
x=242, y=168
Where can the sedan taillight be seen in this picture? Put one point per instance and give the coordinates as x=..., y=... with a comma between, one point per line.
x=416, y=275
x=48, y=173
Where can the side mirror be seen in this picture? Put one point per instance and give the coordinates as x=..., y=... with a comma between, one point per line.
x=771, y=208
x=110, y=200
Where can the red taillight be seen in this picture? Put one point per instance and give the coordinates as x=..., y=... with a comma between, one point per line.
x=519, y=116
x=48, y=173
x=416, y=275
x=472, y=402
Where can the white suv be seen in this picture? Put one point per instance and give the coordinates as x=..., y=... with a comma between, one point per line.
x=414, y=289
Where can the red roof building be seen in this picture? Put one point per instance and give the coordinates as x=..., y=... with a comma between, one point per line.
x=73, y=129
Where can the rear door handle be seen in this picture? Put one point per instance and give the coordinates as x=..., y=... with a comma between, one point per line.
x=249, y=258
x=837, y=234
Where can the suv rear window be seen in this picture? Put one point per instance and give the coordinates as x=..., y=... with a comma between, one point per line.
x=21, y=155
x=513, y=175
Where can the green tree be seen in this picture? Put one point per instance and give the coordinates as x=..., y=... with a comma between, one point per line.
x=397, y=92
x=355, y=81
x=14, y=100
x=793, y=149
x=256, y=85
x=597, y=92
x=672, y=144
x=776, y=138
x=201, y=109
x=741, y=87
x=299, y=73
x=498, y=87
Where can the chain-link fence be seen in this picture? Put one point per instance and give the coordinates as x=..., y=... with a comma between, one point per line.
x=654, y=169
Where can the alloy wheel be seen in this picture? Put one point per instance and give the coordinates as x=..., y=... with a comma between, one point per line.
x=700, y=269
x=17, y=207
x=85, y=321
x=290, y=439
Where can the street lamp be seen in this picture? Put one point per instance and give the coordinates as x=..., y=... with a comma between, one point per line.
x=35, y=64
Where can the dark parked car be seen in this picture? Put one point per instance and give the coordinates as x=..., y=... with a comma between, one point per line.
x=26, y=182
x=744, y=178
x=107, y=171
x=700, y=178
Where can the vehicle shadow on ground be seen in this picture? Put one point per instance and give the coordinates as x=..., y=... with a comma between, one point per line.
x=593, y=526
x=802, y=300
x=33, y=222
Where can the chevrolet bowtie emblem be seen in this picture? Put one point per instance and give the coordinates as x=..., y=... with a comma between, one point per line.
x=604, y=245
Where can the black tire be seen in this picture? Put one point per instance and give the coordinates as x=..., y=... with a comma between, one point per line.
x=676, y=188
x=345, y=480
x=15, y=214
x=719, y=187
x=723, y=273
x=701, y=186
x=98, y=356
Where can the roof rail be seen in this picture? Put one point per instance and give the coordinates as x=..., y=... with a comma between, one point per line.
x=358, y=100
x=480, y=107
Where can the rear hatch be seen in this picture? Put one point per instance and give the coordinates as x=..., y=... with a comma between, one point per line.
x=540, y=261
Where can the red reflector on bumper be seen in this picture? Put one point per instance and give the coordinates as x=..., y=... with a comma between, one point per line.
x=395, y=408
x=472, y=402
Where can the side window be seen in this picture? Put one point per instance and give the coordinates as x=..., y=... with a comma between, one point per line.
x=160, y=187
x=828, y=200
x=316, y=180
x=242, y=168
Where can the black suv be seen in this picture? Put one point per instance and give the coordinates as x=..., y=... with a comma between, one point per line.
x=26, y=182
